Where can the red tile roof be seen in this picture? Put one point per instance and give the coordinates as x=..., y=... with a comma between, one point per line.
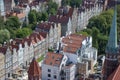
x=72, y=42
x=53, y=59
x=43, y=34
x=3, y=50
x=63, y=15
x=45, y=26
x=34, y=69
x=115, y=75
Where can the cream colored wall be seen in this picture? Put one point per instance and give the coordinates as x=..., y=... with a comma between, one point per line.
x=2, y=66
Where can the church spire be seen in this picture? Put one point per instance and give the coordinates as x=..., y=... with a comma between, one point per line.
x=112, y=42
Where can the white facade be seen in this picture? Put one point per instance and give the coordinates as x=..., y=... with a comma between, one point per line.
x=53, y=72
x=8, y=62
x=15, y=59
x=90, y=53
x=85, y=14
x=72, y=57
x=69, y=72
x=20, y=55
x=69, y=27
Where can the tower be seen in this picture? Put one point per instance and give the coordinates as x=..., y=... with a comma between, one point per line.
x=34, y=71
x=111, y=61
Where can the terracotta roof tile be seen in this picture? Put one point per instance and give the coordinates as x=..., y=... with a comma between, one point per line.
x=72, y=42
x=115, y=75
x=53, y=59
x=34, y=68
x=19, y=15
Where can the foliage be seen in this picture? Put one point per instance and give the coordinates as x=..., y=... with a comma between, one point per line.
x=35, y=16
x=1, y=23
x=99, y=28
x=41, y=58
x=118, y=20
x=95, y=33
x=21, y=33
x=52, y=7
x=44, y=16
x=83, y=32
x=75, y=3
x=13, y=22
x=102, y=22
x=4, y=35
x=32, y=17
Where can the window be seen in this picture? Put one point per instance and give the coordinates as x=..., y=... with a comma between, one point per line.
x=55, y=77
x=49, y=75
x=49, y=70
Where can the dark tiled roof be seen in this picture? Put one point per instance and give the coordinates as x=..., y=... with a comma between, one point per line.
x=63, y=15
x=3, y=50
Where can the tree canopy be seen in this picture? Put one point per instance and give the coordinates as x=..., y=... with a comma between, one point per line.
x=4, y=35
x=75, y=3
x=24, y=32
x=52, y=7
x=13, y=22
x=99, y=28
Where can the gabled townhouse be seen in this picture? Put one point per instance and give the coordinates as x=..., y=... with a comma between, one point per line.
x=73, y=46
x=67, y=16
x=44, y=42
x=20, y=53
x=14, y=58
x=8, y=62
x=2, y=63
x=52, y=66
x=52, y=29
x=87, y=10
x=28, y=51
x=71, y=13
x=36, y=41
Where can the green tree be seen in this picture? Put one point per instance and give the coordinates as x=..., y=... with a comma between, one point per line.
x=13, y=23
x=52, y=7
x=4, y=35
x=102, y=40
x=118, y=20
x=21, y=33
x=44, y=16
x=95, y=34
x=1, y=23
x=32, y=17
x=75, y=3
